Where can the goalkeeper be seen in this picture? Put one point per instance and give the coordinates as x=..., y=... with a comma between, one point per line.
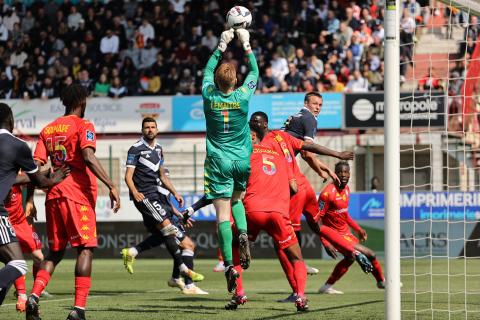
x=227, y=164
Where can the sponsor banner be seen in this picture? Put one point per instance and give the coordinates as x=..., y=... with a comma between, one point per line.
x=108, y=115
x=188, y=110
x=453, y=206
x=113, y=236
x=423, y=109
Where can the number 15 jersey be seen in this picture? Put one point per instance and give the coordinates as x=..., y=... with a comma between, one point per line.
x=62, y=141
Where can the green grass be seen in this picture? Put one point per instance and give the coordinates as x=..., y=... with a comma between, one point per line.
x=144, y=295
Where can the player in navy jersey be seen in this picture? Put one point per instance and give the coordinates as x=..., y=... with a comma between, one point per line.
x=153, y=241
x=144, y=175
x=15, y=155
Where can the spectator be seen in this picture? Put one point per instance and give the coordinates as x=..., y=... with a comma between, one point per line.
x=335, y=85
x=3, y=33
x=17, y=59
x=102, y=86
x=5, y=86
x=147, y=31
x=30, y=88
x=178, y=5
x=269, y=83
x=110, y=43
x=117, y=90
x=293, y=78
x=74, y=18
x=209, y=40
x=344, y=34
x=315, y=65
x=279, y=66
x=333, y=24
x=148, y=55
x=429, y=81
x=10, y=18
x=84, y=80
x=186, y=84
x=357, y=83
x=28, y=22
x=48, y=89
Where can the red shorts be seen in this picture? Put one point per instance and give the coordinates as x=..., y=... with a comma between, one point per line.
x=70, y=221
x=27, y=236
x=304, y=201
x=277, y=225
x=347, y=236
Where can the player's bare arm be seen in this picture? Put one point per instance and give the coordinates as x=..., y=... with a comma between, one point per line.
x=96, y=167
x=138, y=196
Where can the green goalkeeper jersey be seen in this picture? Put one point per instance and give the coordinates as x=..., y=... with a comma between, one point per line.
x=228, y=133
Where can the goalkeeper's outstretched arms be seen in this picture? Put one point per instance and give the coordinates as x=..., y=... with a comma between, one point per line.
x=208, y=75
x=250, y=83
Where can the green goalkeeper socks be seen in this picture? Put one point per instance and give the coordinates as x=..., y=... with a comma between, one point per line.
x=238, y=212
x=225, y=238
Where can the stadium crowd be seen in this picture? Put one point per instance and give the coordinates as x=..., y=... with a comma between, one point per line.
x=124, y=48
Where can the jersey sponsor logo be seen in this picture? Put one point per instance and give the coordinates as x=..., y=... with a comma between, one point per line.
x=90, y=136
x=252, y=84
x=269, y=151
x=145, y=152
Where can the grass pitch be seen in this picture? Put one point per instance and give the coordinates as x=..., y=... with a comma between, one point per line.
x=145, y=295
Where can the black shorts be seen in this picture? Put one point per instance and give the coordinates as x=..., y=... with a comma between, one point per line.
x=155, y=209
x=7, y=234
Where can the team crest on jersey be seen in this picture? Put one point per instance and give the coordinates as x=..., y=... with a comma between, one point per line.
x=252, y=84
x=90, y=136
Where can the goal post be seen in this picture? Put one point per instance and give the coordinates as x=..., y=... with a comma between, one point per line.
x=392, y=160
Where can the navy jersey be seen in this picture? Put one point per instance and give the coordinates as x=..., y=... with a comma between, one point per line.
x=14, y=155
x=302, y=125
x=147, y=162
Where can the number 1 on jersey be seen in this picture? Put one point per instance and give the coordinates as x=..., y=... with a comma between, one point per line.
x=225, y=121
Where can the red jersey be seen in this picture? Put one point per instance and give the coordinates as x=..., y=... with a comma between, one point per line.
x=63, y=141
x=289, y=146
x=14, y=205
x=333, y=204
x=267, y=188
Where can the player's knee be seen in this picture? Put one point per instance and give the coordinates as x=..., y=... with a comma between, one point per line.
x=188, y=244
x=37, y=257
x=169, y=230
x=371, y=255
x=20, y=265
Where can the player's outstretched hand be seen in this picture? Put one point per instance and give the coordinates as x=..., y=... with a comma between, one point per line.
x=61, y=173
x=244, y=37
x=225, y=39
x=188, y=223
x=334, y=176
x=347, y=155
x=114, y=199
x=331, y=251
x=138, y=196
x=362, y=234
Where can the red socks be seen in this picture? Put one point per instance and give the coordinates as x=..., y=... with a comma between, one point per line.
x=82, y=288
x=288, y=269
x=20, y=285
x=340, y=269
x=41, y=281
x=377, y=270
x=336, y=240
x=300, y=271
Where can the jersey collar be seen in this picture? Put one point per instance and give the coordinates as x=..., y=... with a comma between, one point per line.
x=310, y=112
x=6, y=131
x=146, y=143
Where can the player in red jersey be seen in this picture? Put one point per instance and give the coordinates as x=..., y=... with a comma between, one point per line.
x=27, y=237
x=333, y=204
x=266, y=203
x=70, y=206
x=304, y=198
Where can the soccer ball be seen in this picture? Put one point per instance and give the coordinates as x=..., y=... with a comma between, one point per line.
x=239, y=17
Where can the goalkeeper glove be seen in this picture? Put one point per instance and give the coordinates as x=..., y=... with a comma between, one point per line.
x=225, y=39
x=244, y=37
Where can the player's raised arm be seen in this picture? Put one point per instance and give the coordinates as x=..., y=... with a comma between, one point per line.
x=208, y=83
x=250, y=83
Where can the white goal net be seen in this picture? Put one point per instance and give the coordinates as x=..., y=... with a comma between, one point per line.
x=440, y=159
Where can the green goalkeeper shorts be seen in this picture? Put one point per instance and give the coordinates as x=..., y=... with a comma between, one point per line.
x=223, y=176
